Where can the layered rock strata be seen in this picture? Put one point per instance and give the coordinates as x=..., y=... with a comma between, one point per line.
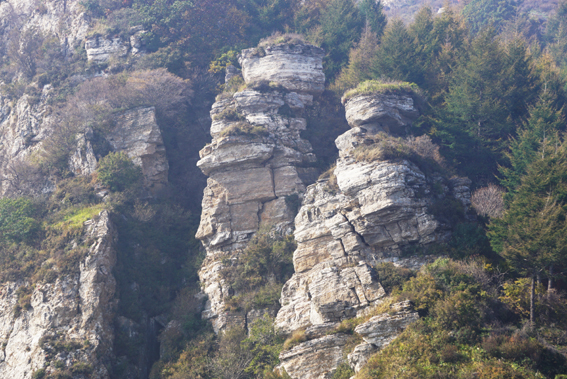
x=319, y=356
x=255, y=161
x=369, y=212
x=75, y=311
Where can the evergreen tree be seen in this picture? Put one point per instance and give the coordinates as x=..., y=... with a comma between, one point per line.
x=542, y=127
x=359, y=67
x=451, y=39
x=474, y=122
x=520, y=82
x=374, y=16
x=340, y=28
x=556, y=35
x=532, y=234
x=426, y=44
x=395, y=58
x=481, y=13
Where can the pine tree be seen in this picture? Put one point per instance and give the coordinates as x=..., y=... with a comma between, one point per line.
x=340, y=28
x=395, y=59
x=374, y=16
x=474, y=120
x=532, y=234
x=544, y=123
x=359, y=67
x=556, y=35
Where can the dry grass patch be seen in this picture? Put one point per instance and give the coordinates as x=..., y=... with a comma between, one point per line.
x=371, y=87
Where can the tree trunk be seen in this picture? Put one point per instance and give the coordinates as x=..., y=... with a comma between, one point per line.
x=550, y=281
x=538, y=284
x=532, y=299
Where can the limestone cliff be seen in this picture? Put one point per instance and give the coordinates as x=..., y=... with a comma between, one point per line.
x=64, y=19
x=25, y=124
x=256, y=159
x=68, y=323
x=370, y=211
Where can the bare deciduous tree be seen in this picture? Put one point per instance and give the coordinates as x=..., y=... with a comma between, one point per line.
x=489, y=201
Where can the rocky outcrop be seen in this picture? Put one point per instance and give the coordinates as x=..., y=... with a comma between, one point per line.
x=370, y=211
x=316, y=358
x=297, y=67
x=69, y=320
x=138, y=135
x=324, y=348
x=255, y=161
x=100, y=49
x=64, y=19
x=24, y=124
x=379, y=331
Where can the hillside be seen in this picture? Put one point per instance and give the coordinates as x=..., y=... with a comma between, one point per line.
x=282, y=189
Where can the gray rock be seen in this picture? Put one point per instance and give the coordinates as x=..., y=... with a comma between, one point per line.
x=379, y=331
x=298, y=68
x=55, y=312
x=315, y=359
x=382, y=329
x=101, y=50
x=251, y=174
x=390, y=113
x=138, y=135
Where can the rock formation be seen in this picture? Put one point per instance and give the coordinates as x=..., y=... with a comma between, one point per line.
x=376, y=210
x=319, y=356
x=26, y=123
x=379, y=331
x=101, y=49
x=69, y=320
x=256, y=159
x=64, y=19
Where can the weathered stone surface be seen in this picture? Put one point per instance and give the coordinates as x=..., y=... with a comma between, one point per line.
x=65, y=19
x=253, y=172
x=315, y=359
x=100, y=49
x=298, y=68
x=360, y=355
x=24, y=124
x=138, y=135
x=382, y=329
x=83, y=161
x=76, y=308
x=373, y=212
x=379, y=331
x=390, y=113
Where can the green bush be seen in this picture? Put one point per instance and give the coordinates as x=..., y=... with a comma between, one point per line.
x=39, y=374
x=17, y=222
x=118, y=172
x=392, y=277
x=81, y=368
x=343, y=371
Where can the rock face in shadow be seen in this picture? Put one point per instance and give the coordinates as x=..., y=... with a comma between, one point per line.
x=138, y=135
x=257, y=161
x=69, y=320
x=370, y=211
